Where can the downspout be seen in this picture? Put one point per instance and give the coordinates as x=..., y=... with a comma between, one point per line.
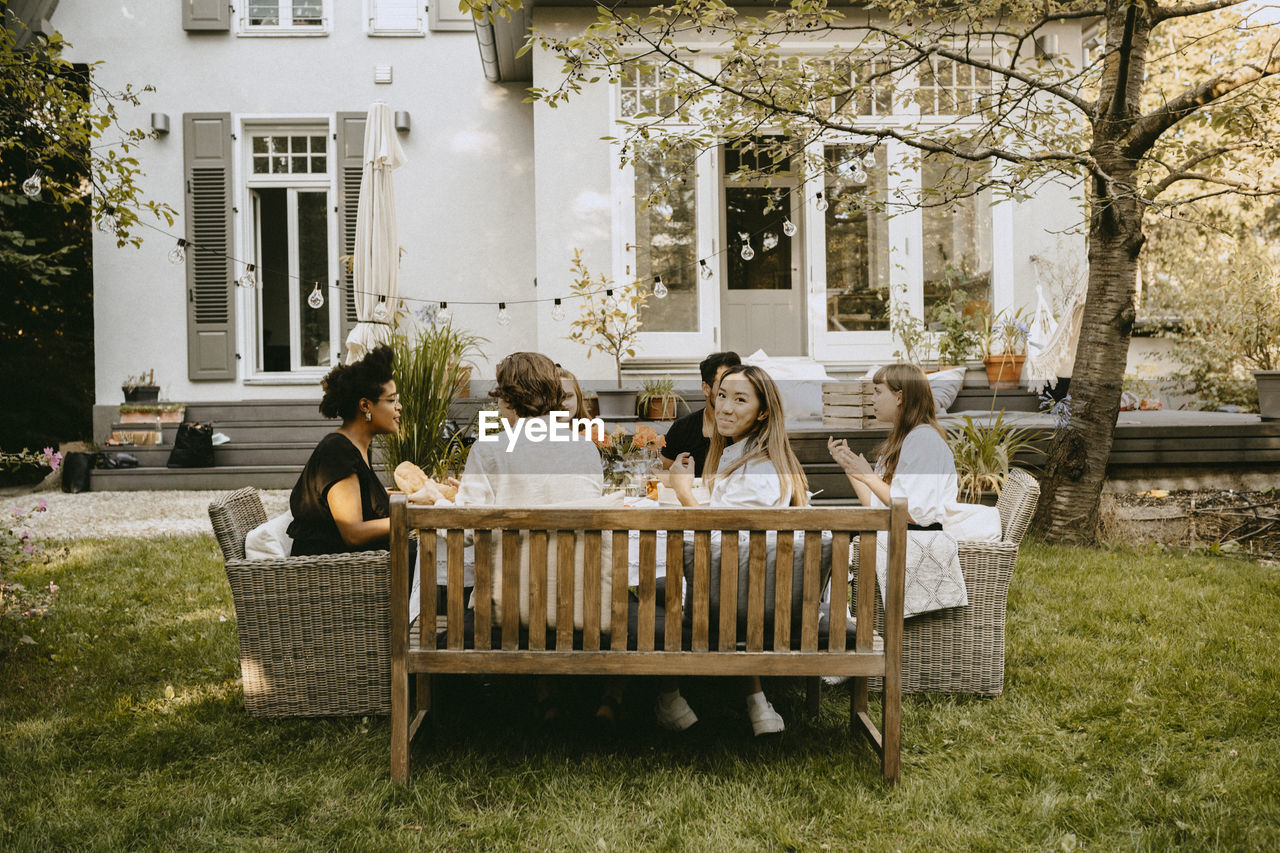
x=488, y=41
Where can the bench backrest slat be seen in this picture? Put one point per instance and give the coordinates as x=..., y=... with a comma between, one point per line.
x=453, y=591
x=756, y=555
x=812, y=590
x=484, y=583
x=728, y=590
x=647, y=590
x=839, y=590
x=427, y=591
x=782, y=589
x=675, y=577
x=618, y=638
x=537, y=589
x=511, y=590
x=701, y=590
x=591, y=582
x=565, y=540
x=556, y=518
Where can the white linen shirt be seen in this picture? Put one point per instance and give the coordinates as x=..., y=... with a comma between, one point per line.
x=926, y=479
x=756, y=484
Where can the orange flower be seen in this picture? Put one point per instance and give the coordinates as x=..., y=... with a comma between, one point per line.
x=647, y=437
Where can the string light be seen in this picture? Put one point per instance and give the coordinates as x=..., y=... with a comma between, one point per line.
x=821, y=203
x=316, y=299
x=859, y=175
x=380, y=312
x=178, y=253
x=504, y=316
x=789, y=227
x=659, y=289
x=769, y=241
x=704, y=269
x=557, y=311
x=107, y=223
x=869, y=159
x=747, y=252
x=31, y=186
x=443, y=314
x=248, y=278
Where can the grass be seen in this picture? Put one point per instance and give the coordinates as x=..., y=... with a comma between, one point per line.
x=1140, y=712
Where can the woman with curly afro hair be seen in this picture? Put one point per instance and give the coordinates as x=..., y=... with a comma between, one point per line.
x=338, y=503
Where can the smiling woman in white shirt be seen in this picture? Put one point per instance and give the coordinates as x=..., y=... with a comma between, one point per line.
x=750, y=464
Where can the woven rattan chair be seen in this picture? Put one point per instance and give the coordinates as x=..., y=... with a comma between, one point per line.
x=961, y=649
x=315, y=632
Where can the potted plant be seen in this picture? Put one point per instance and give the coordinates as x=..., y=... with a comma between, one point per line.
x=428, y=372
x=984, y=453
x=658, y=400
x=1002, y=340
x=608, y=321
x=956, y=333
x=141, y=388
x=911, y=333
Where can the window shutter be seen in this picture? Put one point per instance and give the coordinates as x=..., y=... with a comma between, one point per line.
x=206, y=15
x=350, y=156
x=211, y=329
x=396, y=16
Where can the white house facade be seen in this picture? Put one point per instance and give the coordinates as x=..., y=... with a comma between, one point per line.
x=265, y=102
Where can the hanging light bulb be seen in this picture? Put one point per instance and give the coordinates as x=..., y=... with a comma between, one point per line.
x=31, y=186
x=380, y=312
x=316, y=298
x=248, y=278
x=557, y=311
x=769, y=241
x=869, y=159
x=704, y=269
x=747, y=252
x=859, y=175
x=821, y=203
x=659, y=289
x=443, y=314
x=107, y=222
x=178, y=253
x=789, y=227
x=504, y=317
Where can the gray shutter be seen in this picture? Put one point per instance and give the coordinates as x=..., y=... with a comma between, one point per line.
x=211, y=327
x=350, y=156
x=206, y=15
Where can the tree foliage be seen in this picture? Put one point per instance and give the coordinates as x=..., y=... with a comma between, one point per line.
x=1138, y=118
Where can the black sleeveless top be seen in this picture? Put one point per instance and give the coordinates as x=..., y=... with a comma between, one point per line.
x=313, y=529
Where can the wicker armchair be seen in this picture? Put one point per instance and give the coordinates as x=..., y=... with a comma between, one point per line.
x=315, y=632
x=961, y=649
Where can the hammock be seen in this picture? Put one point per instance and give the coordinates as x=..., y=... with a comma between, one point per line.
x=1051, y=348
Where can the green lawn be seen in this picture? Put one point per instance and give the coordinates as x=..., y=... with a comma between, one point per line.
x=1142, y=711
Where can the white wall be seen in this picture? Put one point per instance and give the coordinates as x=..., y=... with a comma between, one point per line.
x=464, y=197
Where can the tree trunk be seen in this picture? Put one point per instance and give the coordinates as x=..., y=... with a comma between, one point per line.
x=1071, y=487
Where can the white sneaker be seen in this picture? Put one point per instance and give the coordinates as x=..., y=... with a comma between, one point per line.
x=764, y=720
x=834, y=680
x=673, y=713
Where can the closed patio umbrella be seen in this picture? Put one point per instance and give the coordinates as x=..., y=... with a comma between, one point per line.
x=376, y=265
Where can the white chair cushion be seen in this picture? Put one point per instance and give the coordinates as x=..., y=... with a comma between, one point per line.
x=270, y=540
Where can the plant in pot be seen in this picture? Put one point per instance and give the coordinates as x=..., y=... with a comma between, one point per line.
x=429, y=368
x=984, y=452
x=608, y=321
x=956, y=333
x=141, y=388
x=1002, y=340
x=658, y=400
x=910, y=331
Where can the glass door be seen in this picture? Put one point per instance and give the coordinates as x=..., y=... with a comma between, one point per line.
x=292, y=234
x=763, y=295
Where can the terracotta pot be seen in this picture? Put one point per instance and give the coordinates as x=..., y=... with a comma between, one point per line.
x=661, y=409
x=1003, y=371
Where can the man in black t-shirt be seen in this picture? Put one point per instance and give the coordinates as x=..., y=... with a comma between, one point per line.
x=692, y=433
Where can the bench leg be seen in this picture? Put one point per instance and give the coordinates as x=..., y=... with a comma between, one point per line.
x=399, y=722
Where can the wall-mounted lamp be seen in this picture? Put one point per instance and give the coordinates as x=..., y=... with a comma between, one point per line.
x=402, y=121
x=1047, y=45
x=160, y=123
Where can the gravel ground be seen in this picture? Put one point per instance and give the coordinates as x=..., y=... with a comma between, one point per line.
x=137, y=515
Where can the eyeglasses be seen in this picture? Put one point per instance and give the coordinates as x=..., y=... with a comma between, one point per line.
x=394, y=399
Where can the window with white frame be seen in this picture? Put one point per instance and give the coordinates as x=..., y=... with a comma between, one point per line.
x=857, y=238
x=645, y=89
x=397, y=17
x=956, y=226
x=666, y=240
x=289, y=154
x=860, y=86
x=278, y=17
x=947, y=87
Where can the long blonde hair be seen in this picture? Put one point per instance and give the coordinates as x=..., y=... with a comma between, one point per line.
x=917, y=407
x=767, y=439
x=581, y=410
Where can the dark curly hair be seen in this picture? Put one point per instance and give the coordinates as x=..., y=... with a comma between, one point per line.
x=347, y=384
x=529, y=383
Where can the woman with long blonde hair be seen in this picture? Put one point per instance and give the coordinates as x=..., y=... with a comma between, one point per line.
x=750, y=464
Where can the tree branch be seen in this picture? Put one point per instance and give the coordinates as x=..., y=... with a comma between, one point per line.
x=1147, y=129
x=1166, y=13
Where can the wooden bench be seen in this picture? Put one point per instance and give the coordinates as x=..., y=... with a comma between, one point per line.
x=466, y=641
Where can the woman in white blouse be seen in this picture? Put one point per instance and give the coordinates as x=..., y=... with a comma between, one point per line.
x=750, y=464
x=914, y=462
